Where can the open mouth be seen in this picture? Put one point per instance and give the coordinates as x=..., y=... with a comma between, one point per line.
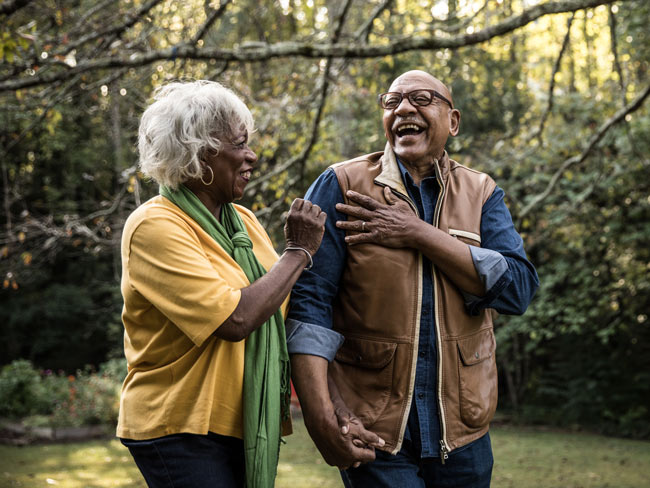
x=408, y=130
x=246, y=175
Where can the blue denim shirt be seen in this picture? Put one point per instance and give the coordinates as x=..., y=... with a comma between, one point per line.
x=509, y=278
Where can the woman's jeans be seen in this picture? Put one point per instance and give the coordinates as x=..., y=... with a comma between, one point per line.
x=468, y=467
x=190, y=461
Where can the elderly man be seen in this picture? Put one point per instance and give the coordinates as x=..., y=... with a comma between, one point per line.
x=390, y=332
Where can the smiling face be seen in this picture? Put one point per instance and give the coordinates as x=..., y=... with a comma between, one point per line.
x=232, y=167
x=418, y=134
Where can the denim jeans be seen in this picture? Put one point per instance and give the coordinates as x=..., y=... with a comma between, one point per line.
x=468, y=467
x=190, y=461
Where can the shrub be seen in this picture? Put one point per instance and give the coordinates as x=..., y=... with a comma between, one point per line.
x=87, y=398
x=22, y=391
x=92, y=399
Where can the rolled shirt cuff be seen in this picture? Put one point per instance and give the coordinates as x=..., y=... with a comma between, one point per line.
x=315, y=340
x=492, y=269
x=490, y=265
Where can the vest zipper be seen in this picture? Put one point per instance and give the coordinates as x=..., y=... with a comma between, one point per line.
x=444, y=453
x=444, y=447
x=400, y=439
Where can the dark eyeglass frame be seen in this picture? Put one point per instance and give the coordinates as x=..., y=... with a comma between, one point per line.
x=410, y=96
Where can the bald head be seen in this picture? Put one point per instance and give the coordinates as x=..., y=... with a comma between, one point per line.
x=424, y=80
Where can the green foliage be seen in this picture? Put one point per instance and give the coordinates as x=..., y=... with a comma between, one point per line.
x=22, y=391
x=92, y=399
x=54, y=399
x=585, y=342
x=76, y=319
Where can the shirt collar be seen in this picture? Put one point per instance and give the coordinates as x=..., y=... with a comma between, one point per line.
x=406, y=176
x=392, y=172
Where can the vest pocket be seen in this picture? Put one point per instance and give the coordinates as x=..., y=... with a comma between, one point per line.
x=477, y=374
x=466, y=237
x=363, y=372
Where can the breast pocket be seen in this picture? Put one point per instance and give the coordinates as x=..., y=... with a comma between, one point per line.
x=466, y=236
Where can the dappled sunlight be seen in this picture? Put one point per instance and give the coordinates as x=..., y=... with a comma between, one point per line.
x=97, y=464
x=524, y=458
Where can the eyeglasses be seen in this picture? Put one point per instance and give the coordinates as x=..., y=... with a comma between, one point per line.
x=421, y=98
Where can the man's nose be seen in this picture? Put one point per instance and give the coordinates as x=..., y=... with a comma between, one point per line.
x=405, y=106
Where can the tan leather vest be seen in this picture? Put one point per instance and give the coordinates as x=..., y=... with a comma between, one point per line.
x=378, y=307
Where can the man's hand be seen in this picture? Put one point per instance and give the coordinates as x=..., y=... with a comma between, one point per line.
x=391, y=225
x=342, y=439
x=338, y=434
x=396, y=225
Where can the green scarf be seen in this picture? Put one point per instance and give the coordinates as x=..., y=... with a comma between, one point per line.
x=266, y=363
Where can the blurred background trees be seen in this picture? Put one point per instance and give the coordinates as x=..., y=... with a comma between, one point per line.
x=553, y=101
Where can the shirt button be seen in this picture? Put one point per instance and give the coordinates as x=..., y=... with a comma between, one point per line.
x=423, y=354
x=420, y=396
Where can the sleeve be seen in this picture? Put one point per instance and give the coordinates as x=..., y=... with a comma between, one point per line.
x=509, y=277
x=170, y=269
x=309, y=323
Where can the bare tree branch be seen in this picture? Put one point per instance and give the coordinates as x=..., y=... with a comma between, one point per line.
x=339, y=21
x=54, y=101
x=617, y=64
x=445, y=26
x=608, y=124
x=363, y=32
x=322, y=88
x=6, y=203
x=115, y=30
x=8, y=7
x=263, y=51
x=556, y=68
x=212, y=18
x=87, y=15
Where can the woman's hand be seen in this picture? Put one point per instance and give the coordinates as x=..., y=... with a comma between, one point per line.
x=304, y=228
x=305, y=225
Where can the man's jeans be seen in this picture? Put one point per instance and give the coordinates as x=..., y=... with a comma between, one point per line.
x=467, y=467
x=190, y=461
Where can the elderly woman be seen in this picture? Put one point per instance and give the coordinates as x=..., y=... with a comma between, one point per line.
x=207, y=390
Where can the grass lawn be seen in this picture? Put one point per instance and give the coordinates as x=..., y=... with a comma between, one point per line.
x=525, y=458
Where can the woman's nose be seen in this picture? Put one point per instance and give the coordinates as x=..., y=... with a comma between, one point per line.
x=251, y=156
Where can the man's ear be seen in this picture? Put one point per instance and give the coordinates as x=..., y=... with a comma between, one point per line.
x=454, y=122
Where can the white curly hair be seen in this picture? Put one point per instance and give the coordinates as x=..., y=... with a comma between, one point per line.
x=185, y=120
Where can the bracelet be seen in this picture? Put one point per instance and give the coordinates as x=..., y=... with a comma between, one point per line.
x=298, y=248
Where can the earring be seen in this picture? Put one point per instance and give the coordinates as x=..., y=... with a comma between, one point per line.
x=211, y=177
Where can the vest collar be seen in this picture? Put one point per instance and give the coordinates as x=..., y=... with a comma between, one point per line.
x=391, y=176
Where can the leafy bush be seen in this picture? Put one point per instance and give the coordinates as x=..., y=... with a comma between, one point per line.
x=54, y=399
x=22, y=391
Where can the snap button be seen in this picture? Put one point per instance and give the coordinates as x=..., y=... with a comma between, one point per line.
x=476, y=355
